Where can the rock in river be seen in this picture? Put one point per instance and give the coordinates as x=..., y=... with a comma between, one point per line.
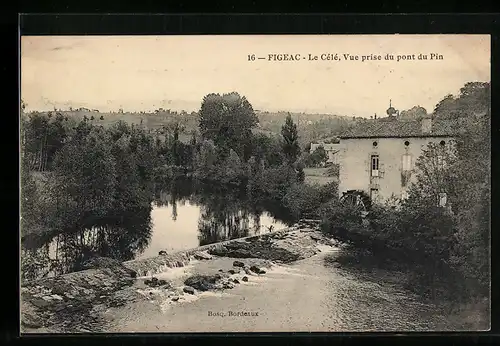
x=154, y=282
x=189, y=290
x=203, y=282
x=257, y=270
x=238, y=264
x=202, y=255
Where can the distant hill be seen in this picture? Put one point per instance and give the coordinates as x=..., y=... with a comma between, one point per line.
x=311, y=127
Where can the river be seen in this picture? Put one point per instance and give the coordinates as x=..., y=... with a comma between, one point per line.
x=310, y=295
x=180, y=216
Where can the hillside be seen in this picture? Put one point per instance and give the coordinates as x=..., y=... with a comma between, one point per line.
x=311, y=126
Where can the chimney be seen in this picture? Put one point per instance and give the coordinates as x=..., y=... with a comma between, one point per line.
x=427, y=125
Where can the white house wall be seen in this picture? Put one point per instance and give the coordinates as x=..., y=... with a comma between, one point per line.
x=355, y=158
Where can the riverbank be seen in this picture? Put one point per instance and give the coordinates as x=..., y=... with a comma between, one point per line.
x=77, y=302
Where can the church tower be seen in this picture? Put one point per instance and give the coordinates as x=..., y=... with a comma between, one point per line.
x=391, y=111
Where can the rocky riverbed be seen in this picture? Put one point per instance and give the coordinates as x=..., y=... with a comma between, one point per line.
x=81, y=301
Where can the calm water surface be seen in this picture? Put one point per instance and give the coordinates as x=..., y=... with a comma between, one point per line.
x=185, y=227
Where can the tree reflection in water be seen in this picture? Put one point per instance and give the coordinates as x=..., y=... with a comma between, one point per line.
x=222, y=218
x=120, y=237
x=224, y=214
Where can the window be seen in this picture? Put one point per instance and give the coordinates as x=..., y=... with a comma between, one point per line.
x=407, y=162
x=407, y=143
x=373, y=194
x=374, y=165
x=442, y=199
x=375, y=144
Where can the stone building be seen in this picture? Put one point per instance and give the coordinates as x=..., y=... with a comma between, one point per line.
x=378, y=156
x=331, y=150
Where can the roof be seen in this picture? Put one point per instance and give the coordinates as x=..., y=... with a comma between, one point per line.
x=401, y=128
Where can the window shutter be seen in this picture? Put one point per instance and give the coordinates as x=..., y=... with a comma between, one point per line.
x=442, y=199
x=406, y=161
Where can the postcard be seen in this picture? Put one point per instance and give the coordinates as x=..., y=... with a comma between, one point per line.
x=255, y=183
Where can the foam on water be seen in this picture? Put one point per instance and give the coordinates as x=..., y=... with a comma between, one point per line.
x=327, y=248
x=171, y=273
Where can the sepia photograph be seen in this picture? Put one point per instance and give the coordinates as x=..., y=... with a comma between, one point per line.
x=255, y=183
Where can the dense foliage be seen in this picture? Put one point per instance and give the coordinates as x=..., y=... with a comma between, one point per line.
x=228, y=121
x=317, y=158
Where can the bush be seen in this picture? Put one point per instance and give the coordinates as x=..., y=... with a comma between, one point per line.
x=231, y=171
x=333, y=170
x=304, y=199
x=341, y=222
x=301, y=199
x=328, y=191
x=276, y=181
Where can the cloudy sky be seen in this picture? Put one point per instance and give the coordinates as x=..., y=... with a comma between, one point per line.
x=175, y=72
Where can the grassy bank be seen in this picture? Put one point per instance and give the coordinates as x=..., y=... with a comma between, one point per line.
x=320, y=176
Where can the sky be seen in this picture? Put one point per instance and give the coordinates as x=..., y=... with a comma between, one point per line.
x=144, y=73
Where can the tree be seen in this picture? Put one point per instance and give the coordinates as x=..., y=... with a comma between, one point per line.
x=416, y=112
x=36, y=137
x=291, y=147
x=470, y=197
x=175, y=145
x=57, y=136
x=267, y=149
x=474, y=99
x=432, y=172
x=233, y=170
x=205, y=160
x=88, y=195
x=227, y=120
x=318, y=157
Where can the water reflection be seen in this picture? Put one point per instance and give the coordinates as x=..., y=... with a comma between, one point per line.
x=188, y=215
x=181, y=215
x=122, y=237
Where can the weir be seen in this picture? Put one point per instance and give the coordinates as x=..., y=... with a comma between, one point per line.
x=158, y=264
